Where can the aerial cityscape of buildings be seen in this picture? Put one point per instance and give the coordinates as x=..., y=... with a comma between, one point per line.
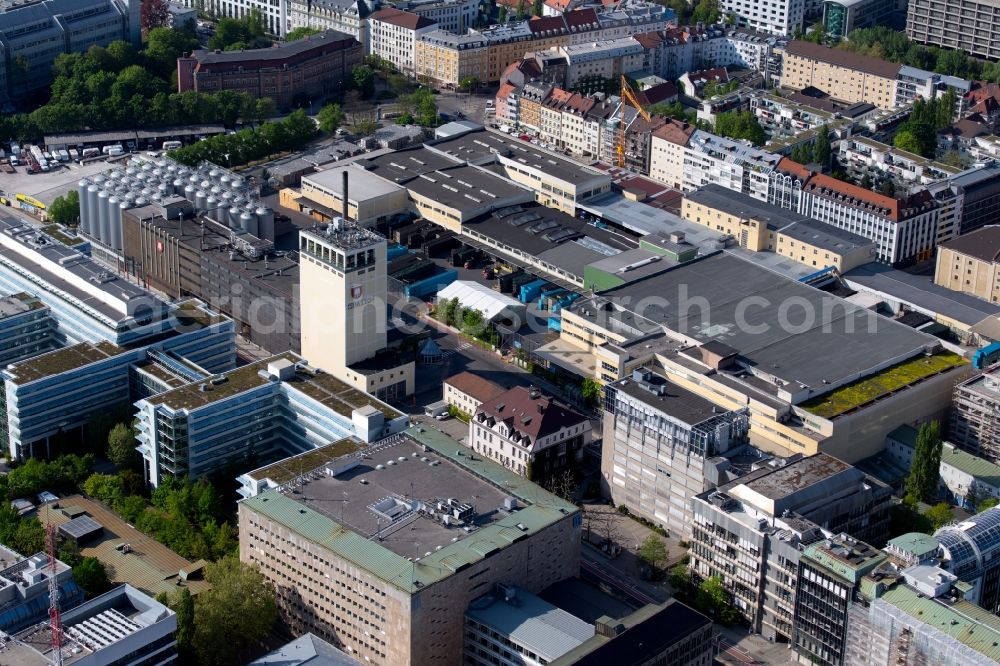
x=340, y=332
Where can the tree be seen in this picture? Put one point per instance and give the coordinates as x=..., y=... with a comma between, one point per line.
x=987, y=503
x=364, y=80
x=502, y=18
x=521, y=10
x=236, y=613
x=121, y=446
x=183, y=606
x=654, y=553
x=470, y=84
x=680, y=576
x=330, y=118
x=939, y=515
x=706, y=11
x=66, y=209
x=712, y=598
x=740, y=125
x=821, y=149
x=153, y=14
x=91, y=575
x=590, y=388
x=364, y=127
x=564, y=485
x=925, y=469
x=300, y=33
x=69, y=553
x=537, y=8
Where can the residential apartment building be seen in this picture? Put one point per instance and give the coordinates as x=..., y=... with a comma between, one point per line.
x=467, y=391
x=662, y=445
x=123, y=626
x=844, y=75
x=27, y=328
x=733, y=164
x=259, y=412
x=33, y=35
x=792, y=116
x=601, y=60
x=529, y=433
x=975, y=417
x=752, y=531
x=310, y=68
x=667, y=150
x=775, y=17
x=908, y=171
x=371, y=588
x=347, y=16
x=676, y=50
x=968, y=26
x=904, y=230
x=971, y=264
x=762, y=227
x=455, y=16
x=394, y=35
x=448, y=58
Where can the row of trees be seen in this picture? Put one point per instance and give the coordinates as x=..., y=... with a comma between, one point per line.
x=740, y=125
x=120, y=88
x=709, y=596
x=817, y=152
x=248, y=32
x=247, y=145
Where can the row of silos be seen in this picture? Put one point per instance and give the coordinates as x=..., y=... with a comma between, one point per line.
x=211, y=191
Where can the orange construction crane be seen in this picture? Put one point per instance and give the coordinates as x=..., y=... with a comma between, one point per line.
x=628, y=96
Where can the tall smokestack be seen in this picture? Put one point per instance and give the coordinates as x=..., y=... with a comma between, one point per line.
x=345, y=196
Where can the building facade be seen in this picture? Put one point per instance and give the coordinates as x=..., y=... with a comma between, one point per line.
x=455, y=16
x=389, y=600
x=306, y=69
x=661, y=446
x=274, y=12
x=966, y=26
x=529, y=433
x=347, y=16
x=775, y=17
x=394, y=34
x=971, y=264
x=466, y=391
x=975, y=418
x=845, y=76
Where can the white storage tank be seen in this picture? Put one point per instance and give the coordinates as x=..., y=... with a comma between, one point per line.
x=234, y=218
x=81, y=190
x=248, y=222
x=92, y=218
x=211, y=203
x=224, y=180
x=189, y=192
x=200, y=200
x=265, y=223
x=114, y=223
x=237, y=183
x=103, y=229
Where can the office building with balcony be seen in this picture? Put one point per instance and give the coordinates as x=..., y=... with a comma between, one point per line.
x=752, y=531
x=662, y=445
x=829, y=578
x=260, y=412
x=26, y=328
x=427, y=528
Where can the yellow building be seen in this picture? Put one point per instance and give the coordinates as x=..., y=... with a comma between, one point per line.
x=371, y=200
x=971, y=264
x=447, y=58
x=844, y=75
x=761, y=227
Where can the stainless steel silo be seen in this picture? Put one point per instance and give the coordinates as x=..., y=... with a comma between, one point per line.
x=200, y=200
x=189, y=192
x=234, y=218
x=247, y=222
x=103, y=228
x=114, y=223
x=265, y=223
x=89, y=219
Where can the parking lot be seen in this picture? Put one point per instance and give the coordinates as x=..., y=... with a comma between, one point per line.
x=47, y=186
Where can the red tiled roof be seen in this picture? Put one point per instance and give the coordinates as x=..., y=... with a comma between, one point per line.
x=794, y=168
x=675, y=131
x=530, y=413
x=842, y=58
x=401, y=18
x=831, y=187
x=658, y=93
x=580, y=18
x=481, y=389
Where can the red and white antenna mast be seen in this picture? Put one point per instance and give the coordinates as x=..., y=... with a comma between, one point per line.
x=55, y=617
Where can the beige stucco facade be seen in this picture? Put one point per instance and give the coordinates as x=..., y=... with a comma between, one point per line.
x=841, y=83
x=969, y=274
x=666, y=161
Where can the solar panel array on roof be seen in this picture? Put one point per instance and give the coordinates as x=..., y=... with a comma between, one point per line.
x=81, y=528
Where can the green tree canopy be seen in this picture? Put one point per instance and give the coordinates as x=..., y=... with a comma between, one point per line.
x=740, y=125
x=66, y=208
x=939, y=515
x=234, y=34
x=300, y=33
x=91, y=575
x=237, y=612
x=821, y=149
x=330, y=118
x=364, y=80
x=591, y=390
x=654, y=553
x=121, y=446
x=925, y=469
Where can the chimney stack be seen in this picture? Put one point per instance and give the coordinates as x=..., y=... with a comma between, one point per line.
x=345, y=196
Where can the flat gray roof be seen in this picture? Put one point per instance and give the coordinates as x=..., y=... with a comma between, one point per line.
x=362, y=185
x=673, y=400
x=737, y=203
x=483, y=147
x=786, y=329
x=920, y=292
x=799, y=475
x=826, y=236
